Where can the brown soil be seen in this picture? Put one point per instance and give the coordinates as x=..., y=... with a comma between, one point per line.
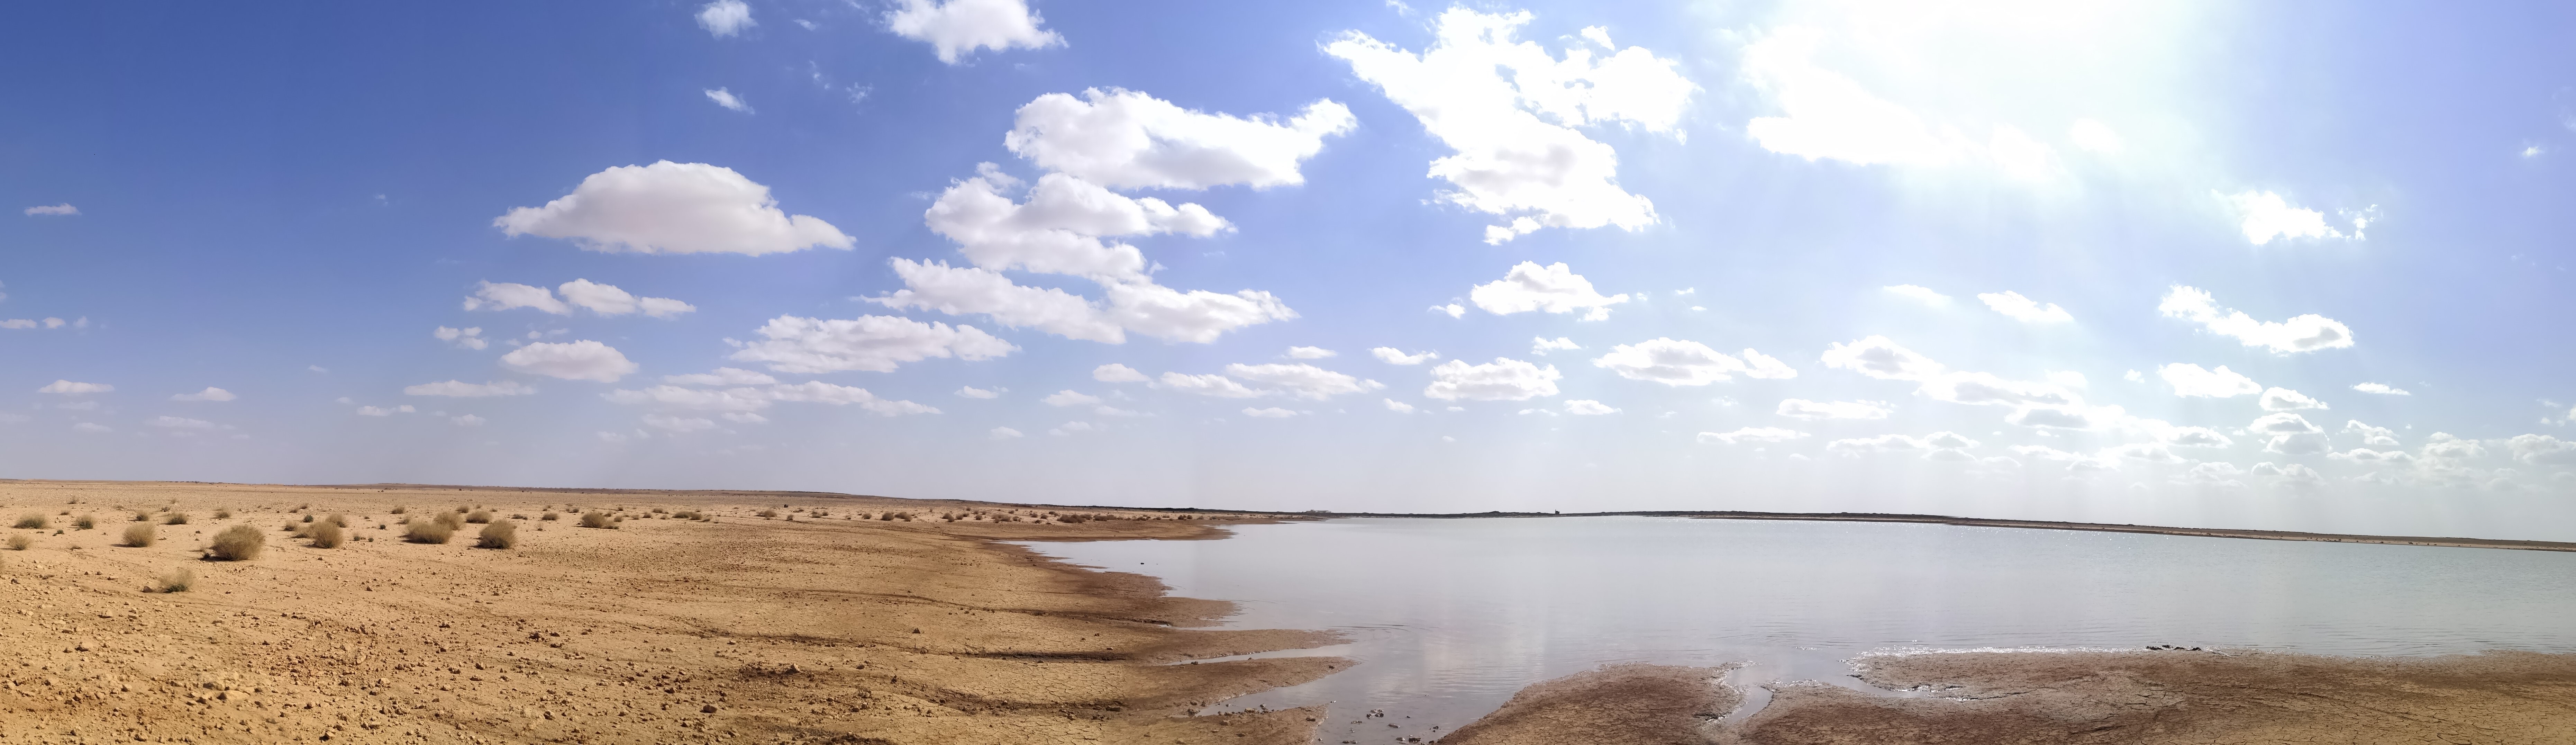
x=819, y=629
x=1615, y=705
x=2203, y=698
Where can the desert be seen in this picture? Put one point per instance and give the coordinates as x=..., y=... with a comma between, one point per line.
x=696, y=616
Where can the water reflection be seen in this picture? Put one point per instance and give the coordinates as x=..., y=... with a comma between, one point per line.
x=1450, y=617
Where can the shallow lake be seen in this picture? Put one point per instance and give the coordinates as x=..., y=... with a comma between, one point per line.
x=1449, y=617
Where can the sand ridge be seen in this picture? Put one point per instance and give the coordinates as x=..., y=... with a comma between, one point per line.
x=664, y=629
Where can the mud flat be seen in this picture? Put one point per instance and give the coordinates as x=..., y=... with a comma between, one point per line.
x=834, y=627
x=1987, y=698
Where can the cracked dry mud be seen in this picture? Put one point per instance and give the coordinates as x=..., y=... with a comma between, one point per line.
x=742, y=629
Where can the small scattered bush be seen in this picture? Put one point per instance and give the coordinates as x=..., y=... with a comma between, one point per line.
x=462, y=509
x=503, y=534
x=141, y=535
x=21, y=542
x=142, y=517
x=338, y=519
x=308, y=517
x=304, y=506
x=237, y=543
x=32, y=521
x=86, y=522
x=223, y=514
x=550, y=516
x=452, y=520
x=400, y=510
x=175, y=580
x=177, y=518
x=419, y=530
x=479, y=517
x=597, y=519
x=326, y=535
x=767, y=514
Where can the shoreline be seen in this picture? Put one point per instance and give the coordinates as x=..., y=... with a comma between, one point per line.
x=1278, y=516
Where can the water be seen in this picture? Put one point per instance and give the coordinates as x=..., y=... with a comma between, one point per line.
x=1449, y=617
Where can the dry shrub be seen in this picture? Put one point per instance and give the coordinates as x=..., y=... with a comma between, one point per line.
x=142, y=517
x=338, y=519
x=597, y=519
x=308, y=517
x=550, y=516
x=237, y=543
x=140, y=535
x=86, y=522
x=400, y=510
x=175, y=580
x=453, y=521
x=418, y=530
x=177, y=518
x=32, y=520
x=223, y=514
x=479, y=517
x=462, y=509
x=767, y=514
x=326, y=535
x=503, y=534
x=21, y=542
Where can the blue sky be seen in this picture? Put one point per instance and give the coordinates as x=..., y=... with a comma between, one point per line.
x=1985, y=258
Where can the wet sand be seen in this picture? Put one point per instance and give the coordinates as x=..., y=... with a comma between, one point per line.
x=2035, y=698
x=737, y=629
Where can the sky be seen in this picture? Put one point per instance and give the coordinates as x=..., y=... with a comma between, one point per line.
x=2279, y=265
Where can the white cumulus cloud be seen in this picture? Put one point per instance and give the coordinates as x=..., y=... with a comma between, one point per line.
x=2284, y=399
x=1751, y=434
x=2193, y=380
x=1311, y=353
x=2307, y=333
x=1071, y=398
x=1588, y=407
x=956, y=28
x=1677, y=362
x=464, y=338
x=1269, y=413
x=725, y=17
x=211, y=393
x=1302, y=381
x=1394, y=356
x=1510, y=111
x=575, y=360
x=1543, y=345
x=974, y=392
x=70, y=388
x=671, y=207
x=1217, y=386
x=462, y=389
x=1552, y=288
x=1799, y=408
x=1117, y=373
x=722, y=376
x=1918, y=293
x=795, y=344
x=1504, y=379
x=2023, y=309
x=2383, y=389
x=1126, y=139
x=2267, y=216
x=53, y=210
x=727, y=99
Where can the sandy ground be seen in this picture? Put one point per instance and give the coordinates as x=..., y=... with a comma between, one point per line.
x=735, y=629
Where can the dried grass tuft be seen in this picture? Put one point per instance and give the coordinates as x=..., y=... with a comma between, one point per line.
x=326, y=534
x=597, y=519
x=419, y=530
x=237, y=543
x=452, y=520
x=86, y=522
x=223, y=514
x=400, y=510
x=21, y=542
x=32, y=521
x=503, y=534
x=141, y=535
x=550, y=517
x=478, y=517
x=177, y=518
x=175, y=580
